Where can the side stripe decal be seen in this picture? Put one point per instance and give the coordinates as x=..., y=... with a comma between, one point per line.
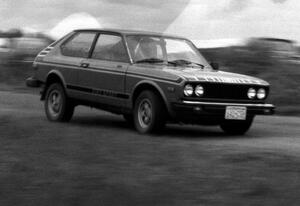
x=99, y=92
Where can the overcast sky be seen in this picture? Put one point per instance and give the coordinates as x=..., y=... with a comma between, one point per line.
x=196, y=19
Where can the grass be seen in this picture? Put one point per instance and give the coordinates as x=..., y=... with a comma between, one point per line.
x=282, y=75
x=15, y=73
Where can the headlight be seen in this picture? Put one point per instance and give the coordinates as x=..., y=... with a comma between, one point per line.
x=251, y=93
x=261, y=93
x=199, y=91
x=188, y=90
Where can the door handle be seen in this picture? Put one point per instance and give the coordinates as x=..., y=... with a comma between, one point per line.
x=119, y=66
x=84, y=65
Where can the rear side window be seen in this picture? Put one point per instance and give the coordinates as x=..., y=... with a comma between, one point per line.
x=110, y=48
x=79, y=45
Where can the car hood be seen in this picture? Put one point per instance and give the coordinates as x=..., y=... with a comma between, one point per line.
x=196, y=74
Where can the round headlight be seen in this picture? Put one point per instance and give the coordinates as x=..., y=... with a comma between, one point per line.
x=199, y=91
x=251, y=93
x=188, y=90
x=261, y=93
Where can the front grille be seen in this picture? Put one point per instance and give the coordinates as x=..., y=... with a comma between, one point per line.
x=226, y=91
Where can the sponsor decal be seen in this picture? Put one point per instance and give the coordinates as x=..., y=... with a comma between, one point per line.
x=229, y=80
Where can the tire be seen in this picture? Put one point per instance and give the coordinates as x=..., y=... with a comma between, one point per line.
x=149, y=112
x=58, y=107
x=236, y=127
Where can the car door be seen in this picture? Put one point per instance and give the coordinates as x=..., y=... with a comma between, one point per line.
x=73, y=51
x=103, y=74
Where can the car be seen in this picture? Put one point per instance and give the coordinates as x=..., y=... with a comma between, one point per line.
x=149, y=78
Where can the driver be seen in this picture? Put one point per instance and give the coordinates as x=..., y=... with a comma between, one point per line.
x=146, y=48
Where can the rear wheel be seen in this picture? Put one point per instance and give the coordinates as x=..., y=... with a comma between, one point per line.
x=58, y=106
x=149, y=112
x=236, y=127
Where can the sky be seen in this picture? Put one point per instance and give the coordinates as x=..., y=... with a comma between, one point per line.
x=194, y=19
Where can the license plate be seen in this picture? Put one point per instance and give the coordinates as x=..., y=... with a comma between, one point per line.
x=236, y=113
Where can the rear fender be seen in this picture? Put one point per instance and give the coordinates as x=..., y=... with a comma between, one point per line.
x=53, y=76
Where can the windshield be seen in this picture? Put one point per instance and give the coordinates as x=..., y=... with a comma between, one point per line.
x=171, y=51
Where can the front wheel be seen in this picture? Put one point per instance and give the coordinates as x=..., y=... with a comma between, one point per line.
x=236, y=127
x=149, y=112
x=58, y=106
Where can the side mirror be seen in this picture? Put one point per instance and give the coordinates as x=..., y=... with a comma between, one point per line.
x=214, y=65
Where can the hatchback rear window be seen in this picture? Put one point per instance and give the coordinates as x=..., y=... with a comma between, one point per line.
x=79, y=45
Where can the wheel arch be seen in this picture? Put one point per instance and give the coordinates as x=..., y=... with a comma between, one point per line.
x=149, y=85
x=52, y=77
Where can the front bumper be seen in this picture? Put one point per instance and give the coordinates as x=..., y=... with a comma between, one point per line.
x=196, y=108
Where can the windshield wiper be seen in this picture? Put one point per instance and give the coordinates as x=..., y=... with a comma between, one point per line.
x=184, y=62
x=150, y=60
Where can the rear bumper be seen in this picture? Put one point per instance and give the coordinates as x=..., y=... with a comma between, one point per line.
x=32, y=82
x=197, y=108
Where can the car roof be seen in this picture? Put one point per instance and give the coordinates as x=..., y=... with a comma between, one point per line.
x=130, y=32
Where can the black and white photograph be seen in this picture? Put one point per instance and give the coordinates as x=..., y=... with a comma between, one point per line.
x=153, y=102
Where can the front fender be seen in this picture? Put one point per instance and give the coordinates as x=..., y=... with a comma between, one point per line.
x=148, y=83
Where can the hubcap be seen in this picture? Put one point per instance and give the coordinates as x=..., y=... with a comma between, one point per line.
x=54, y=102
x=145, y=113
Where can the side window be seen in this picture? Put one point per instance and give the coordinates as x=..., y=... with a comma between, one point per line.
x=79, y=45
x=111, y=48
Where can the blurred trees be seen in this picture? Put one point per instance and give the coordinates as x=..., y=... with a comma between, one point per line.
x=276, y=66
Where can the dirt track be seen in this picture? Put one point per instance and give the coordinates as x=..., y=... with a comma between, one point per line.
x=97, y=159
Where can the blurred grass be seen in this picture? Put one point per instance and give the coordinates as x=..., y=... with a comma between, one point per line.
x=15, y=73
x=283, y=75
